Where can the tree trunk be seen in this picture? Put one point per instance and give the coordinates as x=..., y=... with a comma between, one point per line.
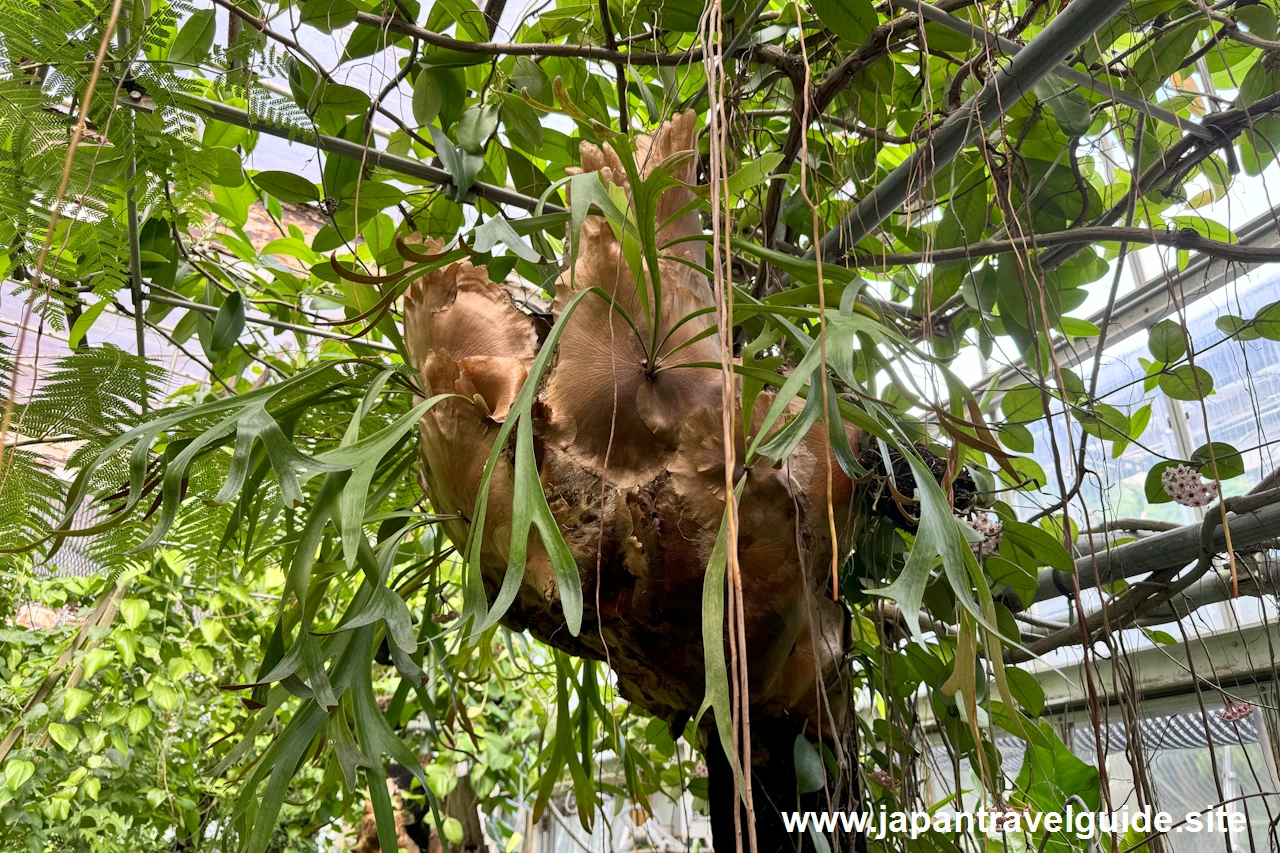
x=774, y=792
x=414, y=834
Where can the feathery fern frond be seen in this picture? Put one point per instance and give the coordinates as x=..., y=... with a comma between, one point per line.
x=94, y=392
x=30, y=496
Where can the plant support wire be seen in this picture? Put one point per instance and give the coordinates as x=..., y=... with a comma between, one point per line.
x=267, y=321
x=355, y=151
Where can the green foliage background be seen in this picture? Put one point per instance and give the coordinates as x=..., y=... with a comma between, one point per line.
x=277, y=500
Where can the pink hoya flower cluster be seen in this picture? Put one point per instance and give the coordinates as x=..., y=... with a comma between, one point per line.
x=1235, y=710
x=1184, y=485
x=991, y=531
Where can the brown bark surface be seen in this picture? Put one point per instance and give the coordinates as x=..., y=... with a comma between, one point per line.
x=632, y=463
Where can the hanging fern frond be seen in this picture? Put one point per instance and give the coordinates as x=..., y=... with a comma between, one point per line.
x=30, y=495
x=93, y=392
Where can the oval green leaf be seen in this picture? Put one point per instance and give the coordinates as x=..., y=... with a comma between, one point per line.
x=852, y=20
x=1187, y=383
x=287, y=186
x=1166, y=341
x=194, y=40
x=809, y=775
x=229, y=323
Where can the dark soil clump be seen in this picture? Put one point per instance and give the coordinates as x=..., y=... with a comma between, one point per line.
x=963, y=489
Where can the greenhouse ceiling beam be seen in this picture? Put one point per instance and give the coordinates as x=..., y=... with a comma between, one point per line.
x=1041, y=56
x=1148, y=304
x=1222, y=659
x=994, y=40
x=1173, y=548
x=355, y=151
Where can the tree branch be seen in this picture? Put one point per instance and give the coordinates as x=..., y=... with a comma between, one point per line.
x=1179, y=159
x=1184, y=238
x=292, y=44
x=857, y=129
x=493, y=10
x=490, y=48
x=875, y=46
x=1232, y=31
x=620, y=67
x=1160, y=587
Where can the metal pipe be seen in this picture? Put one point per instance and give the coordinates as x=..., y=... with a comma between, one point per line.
x=1166, y=550
x=131, y=214
x=1262, y=578
x=135, y=260
x=267, y=321
x=959, y=25
x=1041, y=56
x=356, y=151
x=1257, y=580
